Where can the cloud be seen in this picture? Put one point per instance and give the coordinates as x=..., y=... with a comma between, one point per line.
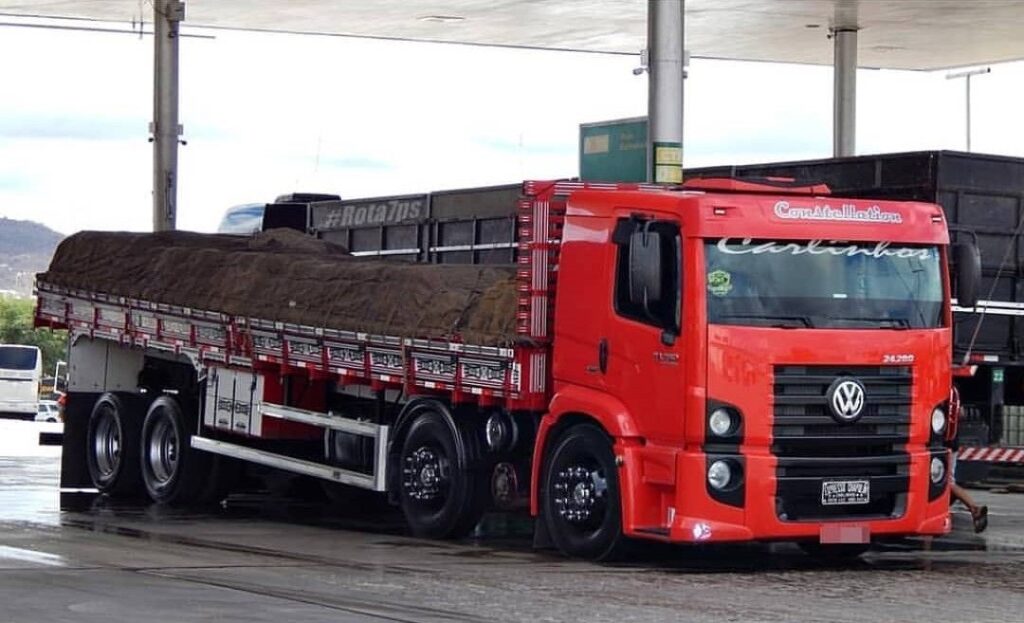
x=13, y=182
x=21, y=126
x=354, y=161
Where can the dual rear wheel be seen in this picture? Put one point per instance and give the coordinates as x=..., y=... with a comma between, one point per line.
x=134, y=449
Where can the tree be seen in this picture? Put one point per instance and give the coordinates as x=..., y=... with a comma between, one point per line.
x=16, y=328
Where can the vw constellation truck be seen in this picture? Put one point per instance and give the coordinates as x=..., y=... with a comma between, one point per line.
x=731, y=361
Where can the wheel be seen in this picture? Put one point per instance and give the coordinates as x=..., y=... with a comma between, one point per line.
x=112, y=438
x=172, y=471
x=439, y=498
x=580, y=502
x=833, y=552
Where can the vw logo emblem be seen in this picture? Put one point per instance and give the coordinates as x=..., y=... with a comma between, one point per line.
x=846, y=399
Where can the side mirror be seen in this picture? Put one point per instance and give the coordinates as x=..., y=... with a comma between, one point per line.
x=968, y=273
x=645, y=267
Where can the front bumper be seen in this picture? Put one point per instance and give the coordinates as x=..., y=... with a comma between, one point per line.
x=681, y=509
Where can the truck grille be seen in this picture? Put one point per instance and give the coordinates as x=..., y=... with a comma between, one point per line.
x=812, y=448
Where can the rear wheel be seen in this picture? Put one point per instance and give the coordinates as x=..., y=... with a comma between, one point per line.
x=172, y=471
x=112, y=453
x=439, y=497
x=581, y=506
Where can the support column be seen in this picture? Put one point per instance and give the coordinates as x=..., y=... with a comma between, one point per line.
x=844, y=102
x=165, y=130
x=665, y=90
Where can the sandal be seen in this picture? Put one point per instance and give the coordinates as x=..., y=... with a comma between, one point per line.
x=980, y=517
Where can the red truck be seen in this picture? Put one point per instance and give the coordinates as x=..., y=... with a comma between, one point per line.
x=730, y=361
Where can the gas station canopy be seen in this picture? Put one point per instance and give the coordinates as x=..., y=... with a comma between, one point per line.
x=894, y=34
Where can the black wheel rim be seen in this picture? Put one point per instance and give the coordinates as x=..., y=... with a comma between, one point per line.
x=579, y=491
x=426, y=477
x=162, y=452
x=107, y=443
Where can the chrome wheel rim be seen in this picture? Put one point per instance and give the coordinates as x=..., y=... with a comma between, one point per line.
x=426, y=476
x=581, y=495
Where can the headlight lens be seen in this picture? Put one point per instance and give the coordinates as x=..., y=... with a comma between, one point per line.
x=938, y=421
x=720, y=422
x=719, y=475
x=938, y=469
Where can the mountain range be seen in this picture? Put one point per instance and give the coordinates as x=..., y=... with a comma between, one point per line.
x=25, y=249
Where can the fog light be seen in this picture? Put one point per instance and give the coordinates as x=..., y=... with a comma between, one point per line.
x=938, y=470
x=938, y=421
x=720, y=422
x=719, y=475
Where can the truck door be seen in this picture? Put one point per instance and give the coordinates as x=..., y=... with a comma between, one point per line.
x=642, y=331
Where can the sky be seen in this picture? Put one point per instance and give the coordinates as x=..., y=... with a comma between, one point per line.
x=267, y=114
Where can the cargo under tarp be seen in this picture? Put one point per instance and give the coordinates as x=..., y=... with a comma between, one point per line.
x=283, y=275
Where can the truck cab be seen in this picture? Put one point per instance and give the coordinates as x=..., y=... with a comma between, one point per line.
x=767, y=367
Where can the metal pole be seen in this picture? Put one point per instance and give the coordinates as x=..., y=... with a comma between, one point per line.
x=968, y=113
x=844, y=102
x=966, y=75
x=666, y=66
x=165, y=130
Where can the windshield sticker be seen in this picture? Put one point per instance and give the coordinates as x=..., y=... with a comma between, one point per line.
x=877, y=250
x=845, y=212
x=719, y=282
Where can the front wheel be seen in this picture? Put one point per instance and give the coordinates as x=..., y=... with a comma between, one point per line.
x=172, y=470
x=440, y=498
x=580, y=502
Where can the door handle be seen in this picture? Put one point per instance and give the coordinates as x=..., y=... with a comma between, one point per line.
x=602, y=355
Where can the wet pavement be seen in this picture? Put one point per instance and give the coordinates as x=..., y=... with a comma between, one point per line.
x=268, y=558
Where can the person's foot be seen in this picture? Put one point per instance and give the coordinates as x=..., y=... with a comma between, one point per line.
x=980, y=516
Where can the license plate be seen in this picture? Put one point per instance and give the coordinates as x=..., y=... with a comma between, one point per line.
x=843, y=492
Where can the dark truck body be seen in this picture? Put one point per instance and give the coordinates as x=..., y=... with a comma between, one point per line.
x=982, y=194
x=468, y=226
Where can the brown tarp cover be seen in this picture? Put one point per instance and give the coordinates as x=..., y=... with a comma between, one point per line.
x=288, y=276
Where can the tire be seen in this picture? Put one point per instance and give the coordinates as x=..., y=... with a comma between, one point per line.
x=112, y=444
x=580, y=500
x=172, y=471
x=440, y=498
x=834, y=552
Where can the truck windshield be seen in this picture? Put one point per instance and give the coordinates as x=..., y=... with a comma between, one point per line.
x=17, y=358
x=823, y=284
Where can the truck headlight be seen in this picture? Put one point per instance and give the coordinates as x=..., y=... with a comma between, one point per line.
x=938, y=470
x=938, y=421
x=721, y=422
x=719, y=475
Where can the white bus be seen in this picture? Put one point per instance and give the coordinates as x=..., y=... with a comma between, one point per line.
x=20, y=372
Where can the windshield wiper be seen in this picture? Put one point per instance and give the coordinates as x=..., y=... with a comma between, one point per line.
x=900, y=324
x=787, y=322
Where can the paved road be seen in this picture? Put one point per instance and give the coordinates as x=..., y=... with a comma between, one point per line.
x=261, y=559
